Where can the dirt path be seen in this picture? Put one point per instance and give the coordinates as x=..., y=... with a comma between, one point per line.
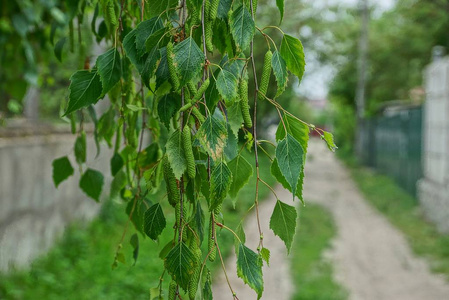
x=371, y=258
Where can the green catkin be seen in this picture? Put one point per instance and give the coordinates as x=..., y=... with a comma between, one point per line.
x=213, y=10
x=187, y=143
x=192, y=88
x=265, y=75
x=171, y=67
x=208, y=33
x=211, y=242
x=171, y=183
x=172, y=290
x=111, y=16
x=178, y=215
x=198, y=115
x=193, y=283
x=197, y=96
x=244, y=106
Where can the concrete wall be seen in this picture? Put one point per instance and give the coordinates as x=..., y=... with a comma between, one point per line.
x=33, y=213
x=433, y=189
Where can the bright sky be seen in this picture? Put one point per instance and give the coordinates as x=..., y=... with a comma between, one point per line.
x=316, y=79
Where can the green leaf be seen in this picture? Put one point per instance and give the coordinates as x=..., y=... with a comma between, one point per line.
x=249, y=268
x=292, y=52
x=235, y=118
x=212, y=135
x=129, y=44
x=116, y=163
x=265, y=253
x=180, y=263
x=154, y=222
x=155, y=39
x=276, y=172
x=329, y=139
x=85, y=89
x=118, y=183
x=241, y=171
x=295, y=128
x=290, y=158
x=144, y=30
x=189, y=60
x=162, y=72
x=62, y=169
x=109, y=67
x=92, y=183
x=58, y=48
x=134, y=241
x=166, y=108
x=279, y=71
x=220, y=182
x=227, y=86
x=280, y=5
x=300, y=132
x=150, y=65
x=157, y=7
x=283, y=222
x=80, y=148
x=175, y=153
x=223, y=8
x=242, y=27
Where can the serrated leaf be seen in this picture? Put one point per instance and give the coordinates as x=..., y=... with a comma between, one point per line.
x=265, y=253
x=280, y=5
x=329, y=139
x=280, y=72
x=188, y=60
x=295, y=128
x=227, y=86
x=62, y=169
x=223, y=8
x=58, y=48
x=85, y=89
x=220, y=182
x=155, y=39
x=292, y=52
x=175, y=153
x=212, y=135
x=162, y=72
x=154, y=222
x=116, y=163
x=235, y=118
x=129, y=44
x=180, y=263
x=166, y=108
x=242, y=27
x=109, y=67
x=290, y=158
x=276, y=172
x=144, y=30
x=283, y=222
x=92, y=183
x=249, y=269
x=157, y=7
x=241, y=173
x=150, y=65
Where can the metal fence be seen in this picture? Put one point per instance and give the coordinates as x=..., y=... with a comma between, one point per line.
x=393, y=145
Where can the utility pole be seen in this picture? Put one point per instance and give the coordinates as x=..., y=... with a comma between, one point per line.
x=362, y=67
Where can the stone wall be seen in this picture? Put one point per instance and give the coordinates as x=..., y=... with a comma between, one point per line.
x=33, y=212
x=433, y=189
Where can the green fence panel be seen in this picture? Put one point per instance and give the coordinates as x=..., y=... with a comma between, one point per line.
x=394, y=146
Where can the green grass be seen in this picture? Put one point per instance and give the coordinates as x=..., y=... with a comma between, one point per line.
x=312, y=274
x=79, y=265
x=404, y=212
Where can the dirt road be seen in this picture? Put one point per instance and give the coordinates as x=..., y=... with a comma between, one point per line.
x=371, y=258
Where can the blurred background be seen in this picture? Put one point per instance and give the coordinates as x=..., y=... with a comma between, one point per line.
x=377, y=77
